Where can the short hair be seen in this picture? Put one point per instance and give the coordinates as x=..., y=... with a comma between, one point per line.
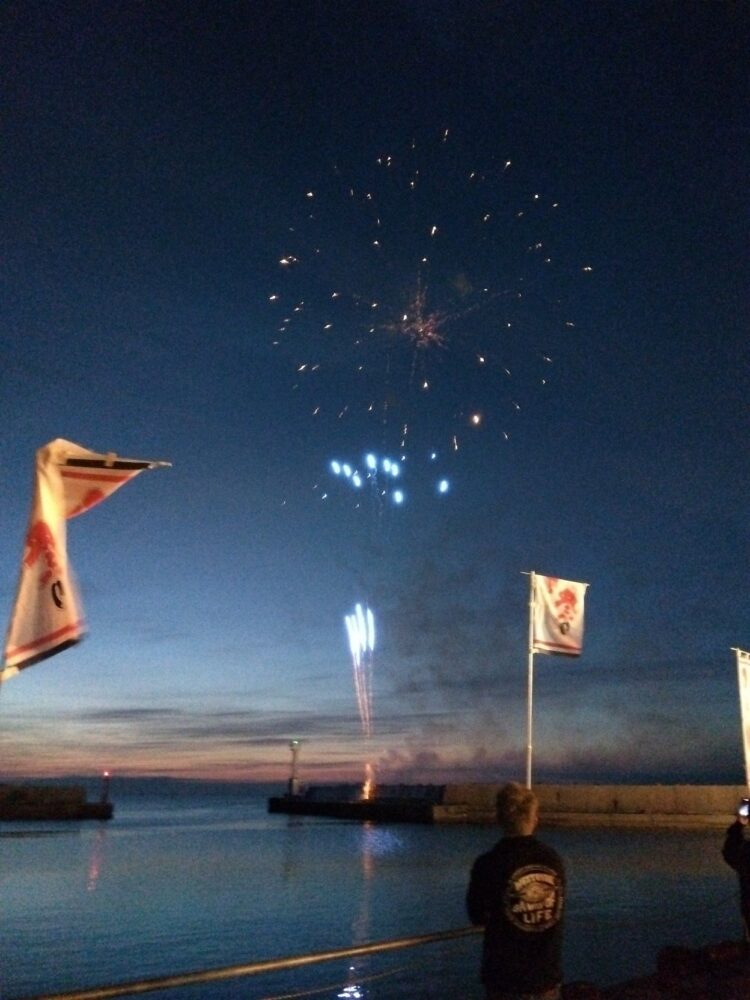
x=516, y=806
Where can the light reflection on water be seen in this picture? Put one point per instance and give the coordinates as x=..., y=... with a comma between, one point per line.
x=172, y=887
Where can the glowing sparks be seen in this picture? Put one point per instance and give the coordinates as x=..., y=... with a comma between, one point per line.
x=419, y=325
x=379, y=474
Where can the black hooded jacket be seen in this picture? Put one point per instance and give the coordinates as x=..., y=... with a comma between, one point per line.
x=517, y=891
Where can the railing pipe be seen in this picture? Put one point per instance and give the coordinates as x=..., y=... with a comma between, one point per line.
x=135, y=987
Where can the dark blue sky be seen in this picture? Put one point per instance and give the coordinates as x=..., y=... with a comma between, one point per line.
x=155, y=162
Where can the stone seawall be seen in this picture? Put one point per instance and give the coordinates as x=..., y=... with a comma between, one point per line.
x=30, y=803
x=561, y=805
x=602, y=805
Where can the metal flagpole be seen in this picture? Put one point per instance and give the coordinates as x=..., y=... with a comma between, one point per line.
x=530, y=693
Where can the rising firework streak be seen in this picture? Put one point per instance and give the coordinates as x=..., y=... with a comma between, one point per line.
x=360, y=627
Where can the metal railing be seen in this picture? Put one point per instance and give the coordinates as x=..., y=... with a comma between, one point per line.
x=134, y=987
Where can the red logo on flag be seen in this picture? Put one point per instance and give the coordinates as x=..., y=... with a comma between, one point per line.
x=40, y=544
x=566, y=608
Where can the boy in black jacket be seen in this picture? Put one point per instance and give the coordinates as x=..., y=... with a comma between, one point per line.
x=517, y=891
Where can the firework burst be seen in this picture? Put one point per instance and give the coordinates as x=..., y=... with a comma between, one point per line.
x=423, y=304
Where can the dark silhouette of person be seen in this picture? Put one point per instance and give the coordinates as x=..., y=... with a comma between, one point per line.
x=736, y=853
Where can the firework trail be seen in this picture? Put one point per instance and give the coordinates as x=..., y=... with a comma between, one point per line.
x=360, y=627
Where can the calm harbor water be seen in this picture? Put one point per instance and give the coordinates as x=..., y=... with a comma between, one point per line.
x=177, y=883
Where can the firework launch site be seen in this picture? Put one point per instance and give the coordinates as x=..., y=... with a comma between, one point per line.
x=560, y=805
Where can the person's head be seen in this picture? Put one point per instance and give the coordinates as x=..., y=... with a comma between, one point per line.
x=517, y=810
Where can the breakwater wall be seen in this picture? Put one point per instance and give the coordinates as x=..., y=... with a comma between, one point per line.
x=602, y=805
x=560, y=805
x=47, y=802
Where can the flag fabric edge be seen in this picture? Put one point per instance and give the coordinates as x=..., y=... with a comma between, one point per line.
x=16, y=668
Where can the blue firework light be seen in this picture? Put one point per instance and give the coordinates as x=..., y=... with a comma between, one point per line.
x=381, y=476
x=421, y=301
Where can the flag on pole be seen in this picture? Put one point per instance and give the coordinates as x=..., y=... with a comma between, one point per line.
x=743, y=678
x=558, y=615
x=47, y=616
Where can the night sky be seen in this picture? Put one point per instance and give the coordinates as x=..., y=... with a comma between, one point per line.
x=159, y=161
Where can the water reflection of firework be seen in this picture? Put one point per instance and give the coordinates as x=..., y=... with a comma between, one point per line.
x=360, y=627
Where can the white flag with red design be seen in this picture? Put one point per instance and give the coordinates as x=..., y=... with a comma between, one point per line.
x=558, y=615
x=47, y=616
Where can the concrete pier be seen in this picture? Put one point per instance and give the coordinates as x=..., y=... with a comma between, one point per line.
x=561, y=805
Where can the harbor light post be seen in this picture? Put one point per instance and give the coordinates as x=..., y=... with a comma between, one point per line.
x=293, y=786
